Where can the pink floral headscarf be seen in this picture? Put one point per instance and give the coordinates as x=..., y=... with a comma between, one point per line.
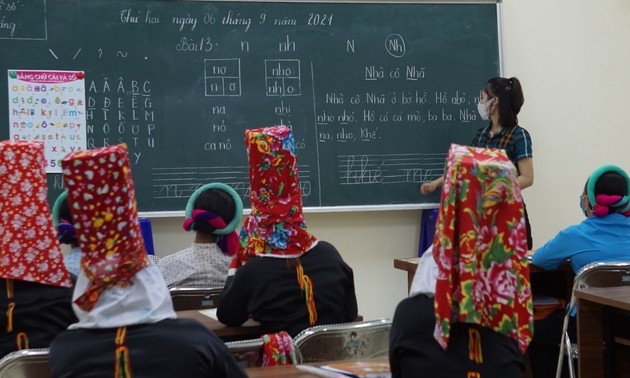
x=480, y=247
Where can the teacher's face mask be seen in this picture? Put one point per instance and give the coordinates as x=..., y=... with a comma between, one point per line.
x=484, y=109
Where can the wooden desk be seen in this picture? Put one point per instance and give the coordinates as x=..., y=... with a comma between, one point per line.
x=409, y=265
x=591, y=304
x=226, y=333
x=221, y=330
x=291, y=370
x=555, y=283
x=277, y=371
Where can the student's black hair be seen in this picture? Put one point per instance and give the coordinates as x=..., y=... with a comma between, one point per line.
x=217, y=201
x=65, y=214
x=611, y=183
x=510, y=95
x=64, y=211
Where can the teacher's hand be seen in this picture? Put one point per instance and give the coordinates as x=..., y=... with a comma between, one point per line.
x=428, y=188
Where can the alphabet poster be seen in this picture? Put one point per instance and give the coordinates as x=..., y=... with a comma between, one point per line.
x=48, y=107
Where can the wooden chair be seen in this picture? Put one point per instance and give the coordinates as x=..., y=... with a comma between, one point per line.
x=597, y=274
x=195, y=298
x=27, y=363
x=344, y=341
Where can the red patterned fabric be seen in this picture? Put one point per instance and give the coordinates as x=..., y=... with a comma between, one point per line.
x=29, y=250
x=276, y=225
x=278, y=349
x=480, y=247
x=100, y=189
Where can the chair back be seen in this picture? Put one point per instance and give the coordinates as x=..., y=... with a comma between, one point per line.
x=247, y=353
x=27, y=363
x=195, y=298
x=603, y=274
x=596, y=274
x=345, y=341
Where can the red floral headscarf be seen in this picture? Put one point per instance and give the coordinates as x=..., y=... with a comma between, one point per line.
x=101, y=191
x=480, y=247
x=29, y=250
x=276, y=225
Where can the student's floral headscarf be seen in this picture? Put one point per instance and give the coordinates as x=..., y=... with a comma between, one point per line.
x=101, y=193
x=29, y=250
x=480, y=247
x=275, y=227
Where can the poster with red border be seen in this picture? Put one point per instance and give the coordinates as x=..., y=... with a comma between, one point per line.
x=49, y=107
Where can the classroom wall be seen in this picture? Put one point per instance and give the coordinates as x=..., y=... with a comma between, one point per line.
x=573, y=58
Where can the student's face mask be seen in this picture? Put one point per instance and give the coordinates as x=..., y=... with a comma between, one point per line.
x=484, y=109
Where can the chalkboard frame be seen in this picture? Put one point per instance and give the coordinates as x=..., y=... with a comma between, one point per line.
x=365, y=208
x=352, y=208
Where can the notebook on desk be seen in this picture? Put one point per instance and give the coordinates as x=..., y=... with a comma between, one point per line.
x=355, y=369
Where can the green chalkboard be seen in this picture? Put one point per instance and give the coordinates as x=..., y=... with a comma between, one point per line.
x=375, y=92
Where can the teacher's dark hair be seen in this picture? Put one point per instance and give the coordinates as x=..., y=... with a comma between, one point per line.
x=510, y=95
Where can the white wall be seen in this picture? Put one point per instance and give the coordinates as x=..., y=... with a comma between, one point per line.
x=573, y=58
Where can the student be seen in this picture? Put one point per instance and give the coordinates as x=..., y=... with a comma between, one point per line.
x=602, y=236
x=66, y=234
x=500, y=102
x=476, y=318
x=127, y=326
x=213, y=212
x=35, y=287
x=289, y=280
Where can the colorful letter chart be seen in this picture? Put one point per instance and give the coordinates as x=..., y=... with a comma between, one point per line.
x=48, y=106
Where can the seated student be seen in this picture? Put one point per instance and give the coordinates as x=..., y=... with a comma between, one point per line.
x=213, y=212
x=66, y=233
x=474, y=319
x=127, y=326
x=289, y=280
x=602, y=236
x=35, y=289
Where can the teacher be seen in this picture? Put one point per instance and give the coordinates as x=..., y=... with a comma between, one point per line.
x=501, y=100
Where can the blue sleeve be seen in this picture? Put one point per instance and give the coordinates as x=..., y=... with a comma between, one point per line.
x=522, y=144
x=556, y=251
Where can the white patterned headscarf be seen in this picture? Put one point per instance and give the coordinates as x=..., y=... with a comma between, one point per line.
x=147, y=300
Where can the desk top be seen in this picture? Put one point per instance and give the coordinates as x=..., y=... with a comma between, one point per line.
x=410, y=264
x=293, y=372
x=277, y=371
x=220, y=329
x=618, y=296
